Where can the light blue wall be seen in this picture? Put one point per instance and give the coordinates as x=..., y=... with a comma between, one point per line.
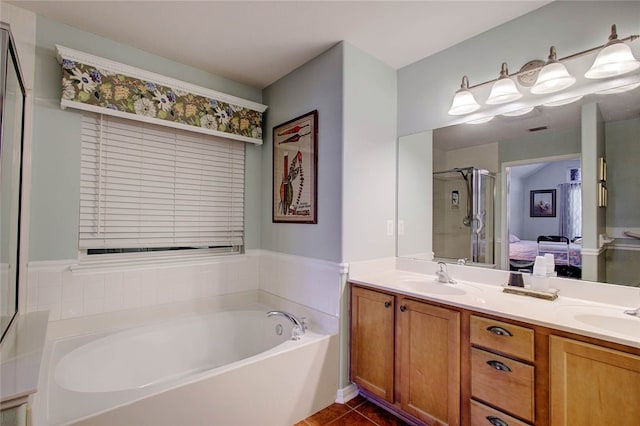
x=548, y=177
x=415, y=194
x=622, y=142
x=369, y=152
x=56, y=138
x=425, y=88
x=355, y=95
x=316, y=85
x=538, y=145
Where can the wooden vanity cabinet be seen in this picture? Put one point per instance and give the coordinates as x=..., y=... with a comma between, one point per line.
x=372, y=341
x=502, y=371
x=429, y=362
x=407, y=353
x=593, y=385
x=433, y=364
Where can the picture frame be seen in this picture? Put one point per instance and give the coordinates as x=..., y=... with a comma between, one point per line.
x=543, y=203
x=295, y=170
x=574, y=174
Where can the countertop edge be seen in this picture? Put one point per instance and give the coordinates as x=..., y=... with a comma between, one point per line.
x=21, y=358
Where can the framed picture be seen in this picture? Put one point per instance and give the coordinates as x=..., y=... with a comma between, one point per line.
x=543, y=203
x=574, y=175
x=295, y=170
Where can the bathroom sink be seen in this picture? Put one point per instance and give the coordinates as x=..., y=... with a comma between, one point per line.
x=433, y=287
x=605, y=318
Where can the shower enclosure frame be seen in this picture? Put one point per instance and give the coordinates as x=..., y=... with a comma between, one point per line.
x=476, y=217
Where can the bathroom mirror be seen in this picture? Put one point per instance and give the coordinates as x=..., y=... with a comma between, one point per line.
x=545, y=141
x=12, y=98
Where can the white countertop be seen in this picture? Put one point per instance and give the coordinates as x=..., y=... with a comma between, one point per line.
x=586, y=308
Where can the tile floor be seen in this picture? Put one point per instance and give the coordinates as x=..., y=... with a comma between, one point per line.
x=357, y=412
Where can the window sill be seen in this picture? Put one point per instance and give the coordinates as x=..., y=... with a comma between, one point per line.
x=141, y=261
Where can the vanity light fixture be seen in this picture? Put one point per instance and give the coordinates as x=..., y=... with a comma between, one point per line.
x=504, y=90
x=565, y=101
x=463, y=102
x=553, y=77
x=614, y=59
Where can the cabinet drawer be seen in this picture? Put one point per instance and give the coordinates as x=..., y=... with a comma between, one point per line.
x=481, y=415
x=502, y=337
x=503, y=382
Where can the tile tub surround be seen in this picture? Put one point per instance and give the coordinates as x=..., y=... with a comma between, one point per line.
x=487, y=296
x=67, y=293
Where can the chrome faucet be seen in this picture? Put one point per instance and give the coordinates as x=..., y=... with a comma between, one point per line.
x=633, y=312
x=443, y=275
x=299, y=324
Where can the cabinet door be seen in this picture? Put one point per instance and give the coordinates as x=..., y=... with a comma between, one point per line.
x=430, y=362
x=592, y=385
x=372, y=341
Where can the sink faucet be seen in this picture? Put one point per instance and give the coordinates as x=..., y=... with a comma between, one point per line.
x=462, y=261
x=633, y=312
x=299, y=324
x=443, y=275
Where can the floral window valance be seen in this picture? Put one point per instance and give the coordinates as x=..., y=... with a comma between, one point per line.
x=95, y=84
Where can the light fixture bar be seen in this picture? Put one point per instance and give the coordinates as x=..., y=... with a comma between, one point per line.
x=629, y=39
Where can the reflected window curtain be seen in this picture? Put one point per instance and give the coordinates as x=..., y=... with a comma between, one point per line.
x=570, y=209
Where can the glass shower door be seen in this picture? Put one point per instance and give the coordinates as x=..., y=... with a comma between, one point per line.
x=482, y=225
x=451, y=208
x=463, y=215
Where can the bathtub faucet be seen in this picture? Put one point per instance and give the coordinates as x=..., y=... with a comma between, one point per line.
x=299, y=324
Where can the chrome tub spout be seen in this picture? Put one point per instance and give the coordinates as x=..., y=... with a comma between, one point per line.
x=299, y=324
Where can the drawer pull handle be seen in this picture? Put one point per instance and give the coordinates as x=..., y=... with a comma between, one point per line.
x=499, y=331
x=497, y=421
x=403, y=308
x=499, y=366
x=387, y=304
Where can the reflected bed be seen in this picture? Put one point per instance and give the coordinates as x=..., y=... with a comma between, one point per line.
x=523, y=253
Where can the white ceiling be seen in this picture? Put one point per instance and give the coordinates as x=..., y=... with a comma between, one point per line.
x=258, y=42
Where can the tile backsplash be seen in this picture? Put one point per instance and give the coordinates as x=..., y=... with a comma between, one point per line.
x=70, y=293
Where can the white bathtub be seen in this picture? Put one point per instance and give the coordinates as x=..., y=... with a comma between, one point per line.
x=225, y=368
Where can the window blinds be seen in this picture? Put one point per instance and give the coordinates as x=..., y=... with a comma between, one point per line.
x=145, y=186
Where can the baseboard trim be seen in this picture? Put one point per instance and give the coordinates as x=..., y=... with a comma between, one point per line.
x=347, y=394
